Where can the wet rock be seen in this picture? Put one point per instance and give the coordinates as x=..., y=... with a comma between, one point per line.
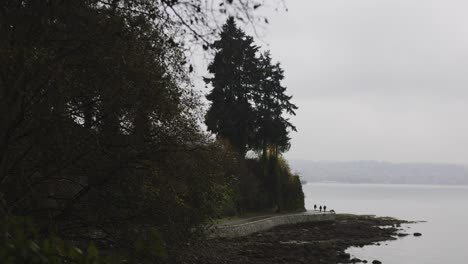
x=402, y=234
x=293, y=244
x=343, y=255
x=355, y=260
x=417, y=234
x=376, y=262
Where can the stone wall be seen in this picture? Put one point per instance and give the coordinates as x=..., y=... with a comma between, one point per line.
x=244, y=229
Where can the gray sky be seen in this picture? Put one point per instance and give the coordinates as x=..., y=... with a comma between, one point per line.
x=375, y=79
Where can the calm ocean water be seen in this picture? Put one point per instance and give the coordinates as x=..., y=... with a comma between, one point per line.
x=445, y=208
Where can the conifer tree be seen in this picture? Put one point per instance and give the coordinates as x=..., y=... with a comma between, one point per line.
x=234, y=70
x=272, y=128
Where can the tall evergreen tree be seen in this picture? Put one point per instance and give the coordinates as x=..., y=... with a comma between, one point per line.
x=272, y=128
x=248, y=108
x=234, y=70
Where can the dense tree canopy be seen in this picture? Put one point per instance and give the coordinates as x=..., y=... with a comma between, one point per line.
x=271, y=104
x=100, y=136
x=99, y=125
x=248, y=100
x=248, y=108
x=234, y=67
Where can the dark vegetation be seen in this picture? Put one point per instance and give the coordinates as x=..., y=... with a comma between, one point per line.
x=247, y=107
x=101, y=144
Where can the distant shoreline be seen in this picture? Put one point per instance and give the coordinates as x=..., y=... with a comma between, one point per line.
x=377, y=172
x=388, y=184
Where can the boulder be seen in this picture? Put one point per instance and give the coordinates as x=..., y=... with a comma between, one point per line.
x=376, y=262
x=417, y=234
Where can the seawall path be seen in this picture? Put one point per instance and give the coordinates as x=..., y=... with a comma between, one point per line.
x=247, y=226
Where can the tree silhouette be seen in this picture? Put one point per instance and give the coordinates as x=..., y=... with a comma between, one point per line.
x=248, y=104
x=247, y=100
x=98, y=124
x=271, y=102
x=234, y=68
x=99, y=132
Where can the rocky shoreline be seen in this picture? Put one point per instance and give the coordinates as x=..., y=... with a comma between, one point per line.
x=313, y=242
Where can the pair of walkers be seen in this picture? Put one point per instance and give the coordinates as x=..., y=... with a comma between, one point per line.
x=320, y=208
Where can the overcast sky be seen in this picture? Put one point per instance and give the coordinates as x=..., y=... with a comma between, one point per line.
x=375, y=79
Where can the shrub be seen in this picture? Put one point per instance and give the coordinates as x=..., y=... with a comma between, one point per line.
x=19, y=244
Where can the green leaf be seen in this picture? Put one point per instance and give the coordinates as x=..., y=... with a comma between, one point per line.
x=92, y=251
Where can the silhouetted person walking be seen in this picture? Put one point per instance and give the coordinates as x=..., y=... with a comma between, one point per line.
x=320, y=208
x=315, y=207
x=324, y=208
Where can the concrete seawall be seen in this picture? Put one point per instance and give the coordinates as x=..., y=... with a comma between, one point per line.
x=229, y=231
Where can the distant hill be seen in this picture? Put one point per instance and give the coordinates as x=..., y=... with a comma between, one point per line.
x=381, y=172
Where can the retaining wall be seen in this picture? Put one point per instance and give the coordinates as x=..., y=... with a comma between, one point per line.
x=244, y=229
